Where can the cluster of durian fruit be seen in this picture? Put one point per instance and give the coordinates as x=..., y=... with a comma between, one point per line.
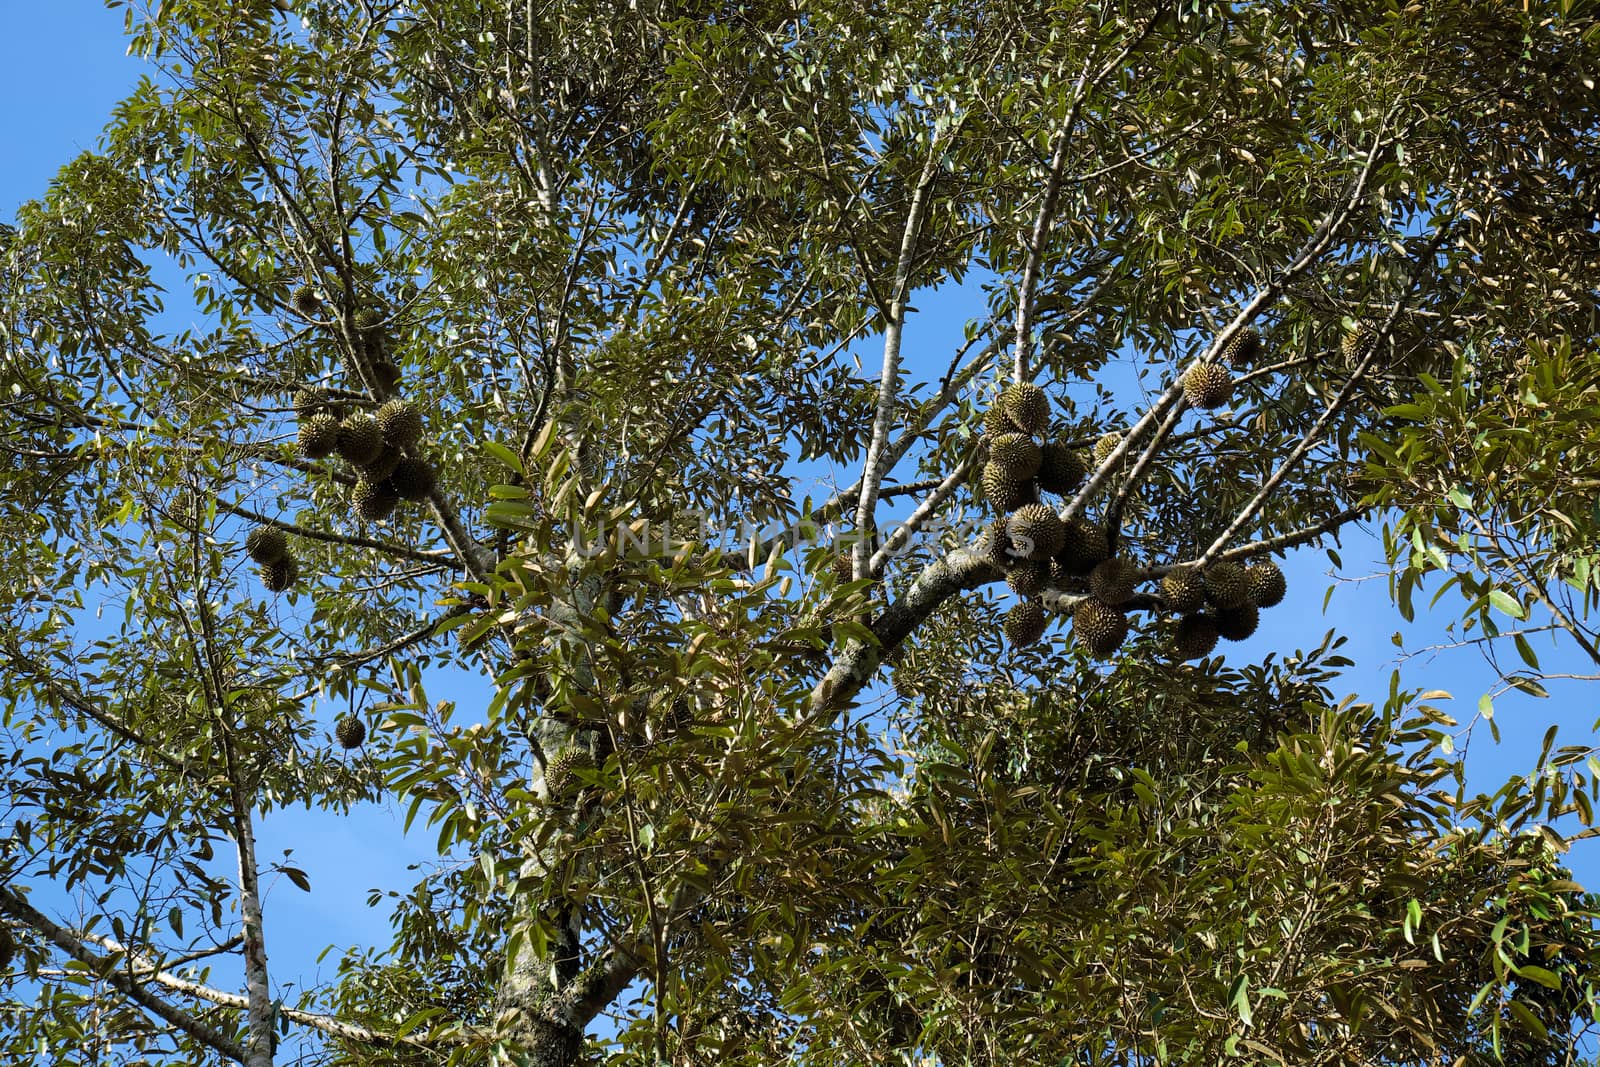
x=1037, y=550
x=382, y=447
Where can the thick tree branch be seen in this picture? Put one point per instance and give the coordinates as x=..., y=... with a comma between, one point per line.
x=960, y=570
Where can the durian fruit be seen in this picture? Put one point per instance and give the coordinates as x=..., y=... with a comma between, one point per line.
x=561, y=778
x=413, y=478
x=1083, y=545
x=1098, y=627
x=1024, y=624
x=1195, y=636
x=319, y=435
x=1266, y=584
x=360, y=440
x=280, y=575
x=369, y=323
x=311, y=400
x=350, y=731
x=996, y=545
x=306, y=301
x=374, y=501
x=1026, y=405
x=1028, y=578
x=1006, y=494
x=843, y=567
x=379, y=469
x=1238, y=623
x=266, y=544
x=8, y=947
x=1355, y=344
x=1037, y=533
x=1184, y=589
x=1244, y=349
x=401, y=424
x=1061, y=469
x=1016, y=455
x=1106, y=445
x=995, y=422
x=1112, y=581
x=1207, y=385
x=1226, y=585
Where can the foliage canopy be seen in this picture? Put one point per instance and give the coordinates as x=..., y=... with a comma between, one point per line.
x=643, y=273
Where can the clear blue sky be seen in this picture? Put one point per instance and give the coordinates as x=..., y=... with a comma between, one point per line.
x=62, y=68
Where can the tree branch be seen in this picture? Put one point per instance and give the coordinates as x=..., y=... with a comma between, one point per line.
x=438, y=559
x=12, y=903
x=875, y=468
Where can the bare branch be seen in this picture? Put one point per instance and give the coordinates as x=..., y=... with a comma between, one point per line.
x=14, y=904
x=875, y=468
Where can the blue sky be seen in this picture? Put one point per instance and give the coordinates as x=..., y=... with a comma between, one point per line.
x=63, y=67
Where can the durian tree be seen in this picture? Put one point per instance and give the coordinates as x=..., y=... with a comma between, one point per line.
x=852, y=701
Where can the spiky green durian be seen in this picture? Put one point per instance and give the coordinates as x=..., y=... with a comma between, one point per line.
x=413, y=478
x=360, y=440
x=1106, y=445
x=1226, y=585
x=1194, y=636
x=1112, y=580
x=1267, y=584
x=1024, y=624
x=1028, y=578
x=401, y=423
x=279, y=575
x=843, y=567
x=1016, y=455
x=1207, y=385
x=1356, y=343
x=1083, y=545
x=1026, y=405
x=1244, y=349
x=368, y=319
x=1061, y=469
x=306, y=301
x=319, y=435
x=1036, y=532
x=266, y=544
x=374, y=501
x=1098, y=627
x=350, y=731
x=8, y=947
x=382, y=467
x=1183, y=589
x=1003, y=493
x=996, y=422
x=311, y=400
x=1236, y=624
x=996, y=545
x=561, y=777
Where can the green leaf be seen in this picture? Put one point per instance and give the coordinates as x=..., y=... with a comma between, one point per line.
x=1507, y=603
